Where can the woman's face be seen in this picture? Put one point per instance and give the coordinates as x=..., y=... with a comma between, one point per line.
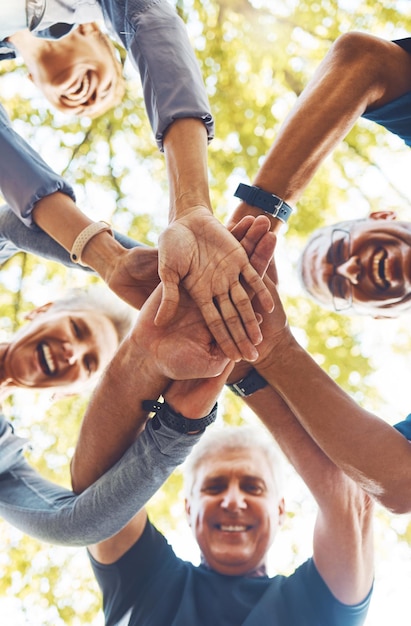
x=78, y=75
x=60, y=349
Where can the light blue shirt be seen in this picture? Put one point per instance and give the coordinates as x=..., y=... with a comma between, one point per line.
x=157, y=42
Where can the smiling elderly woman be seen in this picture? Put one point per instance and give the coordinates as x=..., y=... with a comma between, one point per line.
x=66, y=344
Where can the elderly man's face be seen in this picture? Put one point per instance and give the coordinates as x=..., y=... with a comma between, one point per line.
x=364, y=266
x=78, y=74
x=60, y=349
x=234, y=510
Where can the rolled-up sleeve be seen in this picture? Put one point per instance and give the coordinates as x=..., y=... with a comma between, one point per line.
x=24, y=177
x=158, y=45
x=15, y=237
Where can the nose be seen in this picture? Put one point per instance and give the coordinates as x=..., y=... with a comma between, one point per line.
x=233, y=499
x=71, y=352
x=350, y=269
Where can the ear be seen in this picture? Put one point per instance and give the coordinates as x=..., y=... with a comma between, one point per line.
x=40, y=309
x=383, y=215
x=281, y=512
x=188, y=511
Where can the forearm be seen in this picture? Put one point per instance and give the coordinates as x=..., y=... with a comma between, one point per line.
x=61, y=219
x=101, y=510
x=365, y=447
x=370, y=72
x=115, y=417
x=185, y=148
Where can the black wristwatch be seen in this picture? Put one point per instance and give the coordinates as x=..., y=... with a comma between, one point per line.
x=164, y=414
x=268, y=202
x=249, y=384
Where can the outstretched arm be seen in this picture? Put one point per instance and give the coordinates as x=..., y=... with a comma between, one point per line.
x=361, y=444
x=343, y=538
x=49, y=512
x=191, y=398
x=39, y=197
x=146, y=362
x=199, y=253
x=359, y=72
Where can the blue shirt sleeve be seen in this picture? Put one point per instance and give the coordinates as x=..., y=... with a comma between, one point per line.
x=404, y=427
x=24, y=177
x=158, y=45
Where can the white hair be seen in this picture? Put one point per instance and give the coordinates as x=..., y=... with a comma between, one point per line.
x=101, y=301
x=221, y=438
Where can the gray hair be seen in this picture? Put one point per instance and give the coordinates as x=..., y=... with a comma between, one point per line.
x=99, y=300
x=220, y=438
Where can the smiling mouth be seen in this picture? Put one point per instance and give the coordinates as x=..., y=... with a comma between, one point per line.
x=78, y=92
x=46, y=359
x=379, y=269
x=233, y=528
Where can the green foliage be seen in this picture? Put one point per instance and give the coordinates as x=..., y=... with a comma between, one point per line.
x=255, y=60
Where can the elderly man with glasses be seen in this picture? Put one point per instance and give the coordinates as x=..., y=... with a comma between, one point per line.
x=361, y=266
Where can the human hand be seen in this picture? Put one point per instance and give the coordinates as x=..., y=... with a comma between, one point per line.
x=274, y=327
x=200, y=253
x=132, y=274
x=185, y=348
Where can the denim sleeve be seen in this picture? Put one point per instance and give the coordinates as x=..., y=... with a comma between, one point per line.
x=52, y=513
x=158, y=45
x=16, y=237
x=24, y=177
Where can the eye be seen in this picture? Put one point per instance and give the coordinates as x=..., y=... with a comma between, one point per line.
x=212, y=490
x=105, y=92
x=254, y=489
x=88, y=365
x=76, y=328
x=340, y=287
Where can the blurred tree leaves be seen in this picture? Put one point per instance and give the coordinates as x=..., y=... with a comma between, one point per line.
x=255, y=60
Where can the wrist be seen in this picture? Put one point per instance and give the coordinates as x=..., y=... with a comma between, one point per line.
x=164, y=413
x=279, y=355
x=248, y=384
x=101, y=253
x=270, y=203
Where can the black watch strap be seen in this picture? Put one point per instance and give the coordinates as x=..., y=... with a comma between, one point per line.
x=249, y=384
x=268, y=202
x=164, y=414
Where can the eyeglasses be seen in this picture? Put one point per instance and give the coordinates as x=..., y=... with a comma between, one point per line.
x=340, y=287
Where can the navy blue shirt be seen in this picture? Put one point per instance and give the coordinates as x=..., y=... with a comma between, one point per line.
x=151, y=586
x=395, y=116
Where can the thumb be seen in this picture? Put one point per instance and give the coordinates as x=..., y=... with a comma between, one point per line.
x=169, y=303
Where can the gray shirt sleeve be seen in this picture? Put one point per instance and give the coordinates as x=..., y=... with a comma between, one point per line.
x=16, y=237
x=52, y=513
x=158, y=45
x=24, y=177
